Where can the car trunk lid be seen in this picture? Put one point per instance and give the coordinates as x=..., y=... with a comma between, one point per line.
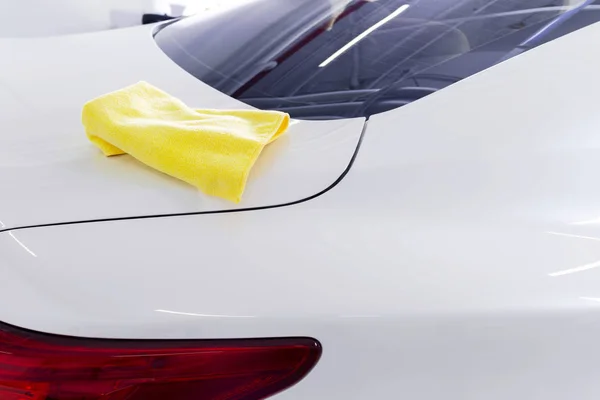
x=50, y=173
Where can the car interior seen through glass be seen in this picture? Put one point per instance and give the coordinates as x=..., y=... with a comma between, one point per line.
x=329, y=59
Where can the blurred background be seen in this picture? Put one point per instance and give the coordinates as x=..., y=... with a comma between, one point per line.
x=31, y=18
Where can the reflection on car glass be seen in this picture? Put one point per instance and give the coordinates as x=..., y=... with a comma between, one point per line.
x=328, y=59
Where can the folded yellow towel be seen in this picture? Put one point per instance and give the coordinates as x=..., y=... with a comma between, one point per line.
x=213, y=150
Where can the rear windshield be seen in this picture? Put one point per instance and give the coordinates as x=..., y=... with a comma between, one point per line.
x=328, y=59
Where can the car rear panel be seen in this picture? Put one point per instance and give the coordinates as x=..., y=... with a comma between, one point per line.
x=402, y=305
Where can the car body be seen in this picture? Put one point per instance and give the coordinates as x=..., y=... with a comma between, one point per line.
x=443, y=249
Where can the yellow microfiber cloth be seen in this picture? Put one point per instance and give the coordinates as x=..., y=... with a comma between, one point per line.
x=213, y=150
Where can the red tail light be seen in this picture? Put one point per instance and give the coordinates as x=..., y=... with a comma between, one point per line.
x=35, y=366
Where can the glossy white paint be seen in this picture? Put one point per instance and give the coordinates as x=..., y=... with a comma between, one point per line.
x=457, y=260
x=49, y=172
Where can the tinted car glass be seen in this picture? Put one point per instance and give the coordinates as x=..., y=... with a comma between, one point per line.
x=327, y=59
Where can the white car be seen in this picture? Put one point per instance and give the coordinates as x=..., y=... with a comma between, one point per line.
x=415, y=234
